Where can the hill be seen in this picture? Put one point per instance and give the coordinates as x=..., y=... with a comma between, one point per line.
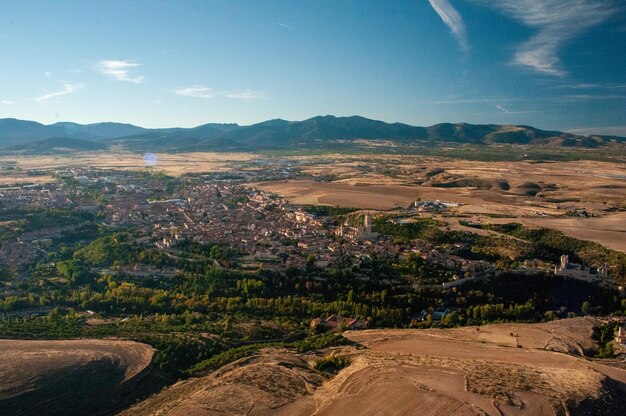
x=74, y=377
x=326, y=132
x=99, y=130
x=55, y=145
x=15, y=132
x=501, y=369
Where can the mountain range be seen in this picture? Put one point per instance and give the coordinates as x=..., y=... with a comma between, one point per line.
x=316, y=132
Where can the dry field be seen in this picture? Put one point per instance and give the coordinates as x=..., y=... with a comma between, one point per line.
x=170, y=163
x=369, y=196
x=69, y=377
x=608, y=230
x=505, y=369
x=536, y=194
x=585, y=184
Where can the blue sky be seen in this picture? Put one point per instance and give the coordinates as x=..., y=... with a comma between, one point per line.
x=558, y=64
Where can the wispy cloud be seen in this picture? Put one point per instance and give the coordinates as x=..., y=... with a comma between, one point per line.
x=594, y=96
x=285, y=26
x=120, y=71
x=469, y=100
x=7, y=102
x=501, y=108
x=47, y=74
x=556, y=21
x=67, y=89
x=246, y=95
x=201, y=91
x=198, y=91
x=453, y=20
x=591, y=86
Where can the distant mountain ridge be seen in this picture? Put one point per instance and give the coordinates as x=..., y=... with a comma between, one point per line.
x=315, y=132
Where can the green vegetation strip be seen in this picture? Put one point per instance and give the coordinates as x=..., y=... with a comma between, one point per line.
x=308, y=344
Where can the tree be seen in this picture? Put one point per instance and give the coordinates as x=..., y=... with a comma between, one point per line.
x=451, y=319
x=54, y=314
x=585, y=308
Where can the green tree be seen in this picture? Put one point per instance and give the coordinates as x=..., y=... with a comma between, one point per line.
x=584, y=308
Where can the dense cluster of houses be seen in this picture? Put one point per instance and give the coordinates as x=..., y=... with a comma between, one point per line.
x=260, y=225
x=47, y=195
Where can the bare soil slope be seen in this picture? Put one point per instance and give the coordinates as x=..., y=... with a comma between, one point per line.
x=74, y=377
x=507, y=369
x=275, y=382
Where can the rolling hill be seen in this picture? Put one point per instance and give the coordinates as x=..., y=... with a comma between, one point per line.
x=73, y=377
x=56, y=145
x=99, y=130
x=314, y=133
x=501, y=369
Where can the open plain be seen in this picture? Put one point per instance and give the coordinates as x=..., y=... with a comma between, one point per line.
x=170, y=163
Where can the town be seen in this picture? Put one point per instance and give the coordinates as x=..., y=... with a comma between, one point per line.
x=254, y=230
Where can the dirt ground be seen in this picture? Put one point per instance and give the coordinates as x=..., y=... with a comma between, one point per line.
x=608, y=230
x=170, y=163
x=68, y=377
x=501, y=369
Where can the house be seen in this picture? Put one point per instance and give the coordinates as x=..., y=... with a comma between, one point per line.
x=437, y=315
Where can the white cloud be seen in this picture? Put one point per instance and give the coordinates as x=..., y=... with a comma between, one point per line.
x=120, y=71
x=556, y=21
x=469, y=100
x=67, y=89
x=246, y=95
x=589, y=86
x=453, y=20
x=198, y=91
x=47, y=74
x=501, y=108
x=7, y=102
x=594, y=96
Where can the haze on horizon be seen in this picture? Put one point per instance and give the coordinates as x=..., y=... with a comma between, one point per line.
x=553, y=64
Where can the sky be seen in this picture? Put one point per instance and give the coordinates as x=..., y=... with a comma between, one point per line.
x=553, y=64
